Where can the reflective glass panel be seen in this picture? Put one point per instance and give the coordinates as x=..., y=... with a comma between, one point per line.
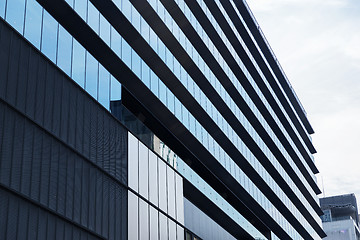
x=78, y=64
x=104, y=87
x=91, y=79
x=49, y=37
x=34, y=14
x=15, y=10
x=64, y=50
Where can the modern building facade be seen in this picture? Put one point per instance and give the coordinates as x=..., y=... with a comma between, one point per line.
x=159, y=119
x=341, y=217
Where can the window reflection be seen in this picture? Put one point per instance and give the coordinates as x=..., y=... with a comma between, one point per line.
x=49, y=37
x=33, y=21
x=15, y=14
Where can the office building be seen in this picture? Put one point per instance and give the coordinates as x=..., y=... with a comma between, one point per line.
x=341, y=217
x=159, y=119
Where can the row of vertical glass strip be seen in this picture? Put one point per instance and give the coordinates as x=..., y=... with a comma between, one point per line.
x=216, y=84
x=38, y=27
x=252, y=132
x=268, y=65
x=237, y=58
x=142, y=71
x=48, y=43
x=44, y=32
x=232, y=77
x=207, y=72
x=273, y=54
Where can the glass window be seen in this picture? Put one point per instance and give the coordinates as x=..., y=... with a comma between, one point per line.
x=91, y=78
x=49, y=37
x=104, y=87
x=64, y=50
x=115, y=42
x=154, y=83
x=178, y=109
x=145, y=74
x=93, y=17
x=78, y=63
x=126, y=52
x=162, y=92
x=115, y=89
x=126, y=9
x=81, y=8
x=135, y=18
x=136, y=63
x=15, y=11
x=70, y=2
x=2, y=8
x=170, y=101
x=34, y=13
x=105, y=30
x=161, y=50
x=153, y=39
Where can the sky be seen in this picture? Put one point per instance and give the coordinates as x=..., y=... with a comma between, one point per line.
x=318, y=45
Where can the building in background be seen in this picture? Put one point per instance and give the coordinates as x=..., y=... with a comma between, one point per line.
x=341, y=217
x=159, y=119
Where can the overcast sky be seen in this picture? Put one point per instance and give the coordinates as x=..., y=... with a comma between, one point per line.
x=318, y=44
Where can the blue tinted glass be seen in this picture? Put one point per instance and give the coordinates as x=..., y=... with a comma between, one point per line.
x=135, y=18
x=34, y=14
x=70, y=2
x=49, y=36
x=64, y=50
x=145, y=74
x=105, y=30
x=185, y=116
x=153, y=39
x=162, y=92
x=116, y=42
x=154, y=83
x=135, y=63
x=104, y=87
x=126, y=9
x=115, y=89
x=93, y=17
x=2, y=8
x=78, y=64
x=171, y=101
x=178, y=109
x=81, y=8
x=126, y=53
x=169, y=59
x=15, y=11
x=161, y=50
x=91, y=82
x=192, y=124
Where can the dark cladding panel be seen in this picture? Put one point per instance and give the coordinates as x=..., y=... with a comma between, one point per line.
x=69, y=185
x=29, y=221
